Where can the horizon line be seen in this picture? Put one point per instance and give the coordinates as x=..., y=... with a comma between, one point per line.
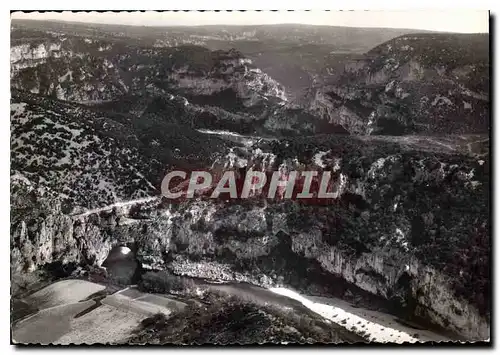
x=15, y=13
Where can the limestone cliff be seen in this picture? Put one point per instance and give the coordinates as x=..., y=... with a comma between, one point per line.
x=388, y=233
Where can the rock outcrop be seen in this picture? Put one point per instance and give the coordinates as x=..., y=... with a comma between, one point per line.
x=97, y=122
x=389, y=232
x=416, y=83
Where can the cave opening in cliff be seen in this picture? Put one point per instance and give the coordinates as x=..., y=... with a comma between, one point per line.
x=122, y=266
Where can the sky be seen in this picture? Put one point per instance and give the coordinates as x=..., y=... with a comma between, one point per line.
x=464, y=21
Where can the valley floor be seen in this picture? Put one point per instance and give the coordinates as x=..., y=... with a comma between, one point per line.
x=76, y=319
x=82, y=312
x=376, y=326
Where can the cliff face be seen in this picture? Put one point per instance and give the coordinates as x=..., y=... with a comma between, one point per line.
x=64, y=66
x=419, y=83
x=389, y=232
x=224, y=70
x=221, y=87
x=412, y=84
x=97, y=122
x=84, y=70
x=26, y=55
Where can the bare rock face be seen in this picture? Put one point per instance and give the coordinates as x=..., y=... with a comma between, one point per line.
x=96, y=123
x=225, y=71
x=419, y=83
x=40, y=232
x=389, y=233
x=94, y=71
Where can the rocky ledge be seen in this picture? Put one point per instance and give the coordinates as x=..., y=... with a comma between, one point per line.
x=409, y=229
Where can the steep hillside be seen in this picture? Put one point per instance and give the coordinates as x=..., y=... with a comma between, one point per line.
x=81, y=69
x=293, y=54
x=399, y=230
x=64, y=150
x=213, y=89
x=91, y=159
x=100, y=114
x=419, y=83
